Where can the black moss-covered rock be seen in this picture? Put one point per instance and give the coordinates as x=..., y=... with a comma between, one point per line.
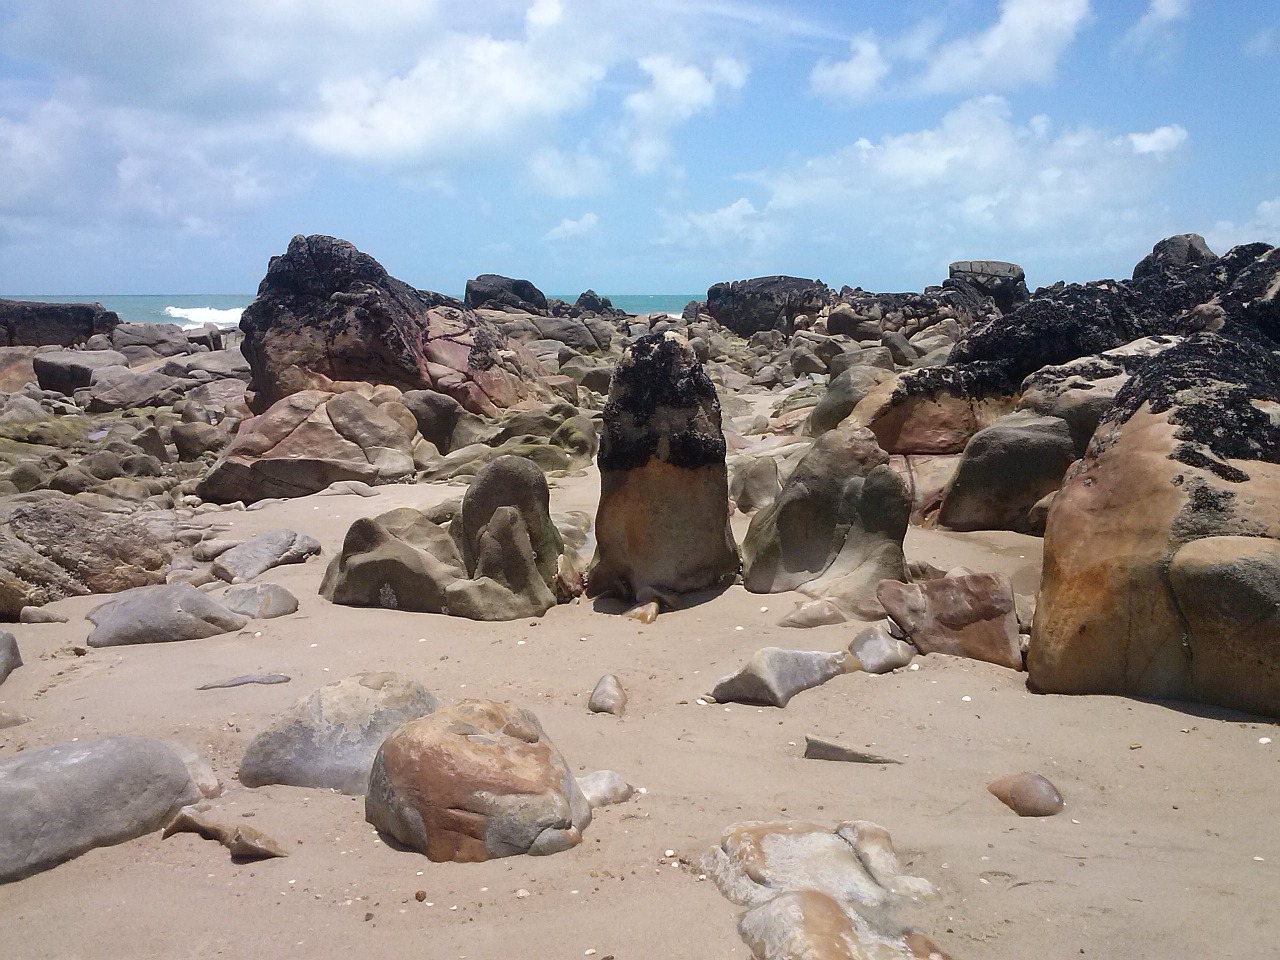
x=25, y=323
x=494, y=292
x=765, y=303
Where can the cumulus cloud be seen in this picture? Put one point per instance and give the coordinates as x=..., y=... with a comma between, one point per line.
x=675, y=92
x=1022, y=46
x=855, y=79
x=1159, y=141
x=1154, y=33
x=568, y=229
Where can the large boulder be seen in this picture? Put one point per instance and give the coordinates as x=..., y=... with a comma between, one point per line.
x=119, y=388
x=494, y=292
x=62, y=801
x=67, y=371
x=329, y=739
x=474, y=782
x=325, y=312
x=1003, y=282
x=836, y=529
x=27, y=323
x=160, y=614
x=662, y=525
x=306, y=442
x=1173, y=253
x=971, y=615
x=845, y=391
x=765, y=303
x=1147, y=588
x=141, y=342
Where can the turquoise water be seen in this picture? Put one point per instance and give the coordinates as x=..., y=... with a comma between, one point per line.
x=195, y=310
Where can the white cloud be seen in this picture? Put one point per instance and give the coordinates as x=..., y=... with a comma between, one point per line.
x=1262, y=44
x=1023, y=46
x=1263, y=225
x=675, y=93
x=568, y=229
x=1159, y=141
x=855, y=79
x=558, y=173
x=1153, y=34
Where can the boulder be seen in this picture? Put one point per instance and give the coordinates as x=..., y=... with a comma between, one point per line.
x=65, y=800
x=662, y=525
x=1028, y=795
x=765, y=303
x=16, y=369
x=880, y=648
x=1172, y=253
x=67, y=371
x=254, y=557
x=304, y=443
x=773, y=676
x=971, y=615
x=119, y=388
x=604, y=788
x=10, y=657
x=494, y=292
x=194, y=440
x=329, y=739
x=141, y=342
x=836, y=529
x=325, y=312
x=260, y=601
x=28, y=323
x=844, y=393
x=160, y=614
x=474, y=782
x=1004, y=470
x=1003, y=282
x=1131, y=601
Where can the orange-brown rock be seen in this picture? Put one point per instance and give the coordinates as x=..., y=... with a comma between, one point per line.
x=934, y=421
x=966, y=616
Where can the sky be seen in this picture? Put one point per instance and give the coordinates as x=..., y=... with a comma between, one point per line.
x=168, y=146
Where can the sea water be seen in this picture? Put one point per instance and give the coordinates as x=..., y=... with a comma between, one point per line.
x=193, y=311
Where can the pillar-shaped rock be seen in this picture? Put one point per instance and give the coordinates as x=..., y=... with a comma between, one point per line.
x=662, y=527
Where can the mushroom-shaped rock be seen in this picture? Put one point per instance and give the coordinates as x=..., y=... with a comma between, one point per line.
x=476, y=781
x=662, y=526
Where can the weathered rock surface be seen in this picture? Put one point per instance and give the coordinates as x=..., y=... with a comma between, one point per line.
x=307, y=441
x=836, y=529
x=662, y=525
x=325, y=312
x=971, y=615
x=773, y=676
x=254, y=557
x=329, y=739
x=66, y=371
x=1188, y=461
x=62, y=801
x=242, y=841
x=496, y=292
x=1003, y=282
x=877, y=649
x=26, y=323
x=260, y=601
x=765, y=303
x=160, y=614
x=473, y=782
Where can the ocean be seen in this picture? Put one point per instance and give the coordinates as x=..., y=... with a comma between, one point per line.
x=192, y=311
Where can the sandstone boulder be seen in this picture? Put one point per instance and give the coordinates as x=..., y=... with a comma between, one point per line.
x=160, y=614
x=971, y=615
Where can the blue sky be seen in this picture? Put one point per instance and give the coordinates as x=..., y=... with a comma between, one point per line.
x=166, y=146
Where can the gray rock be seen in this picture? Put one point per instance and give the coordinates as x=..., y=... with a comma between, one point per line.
x=267, y=550
x=40, y=615
x=877, y=650
x=160, y=614
x=773, y=676
x=608, y=696
x=10, y=658
x=66, y=371
x=816, y=748
x=60, y=802
x=843, y=394
x=260, y=601
x=329, y=739
x=603, y=788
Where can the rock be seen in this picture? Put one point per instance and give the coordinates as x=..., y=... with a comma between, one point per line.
x=773, y=676
x=1028, y=795
x=971, y=615
x=515, y=483
x=1172, y=253
x=804, y=924
x=753, y=482
x=844, y=393
x=345, y=488
x=815, y=748
x=254, y=557
x=1188, y=453
x=662, y=525
x=242, y=842
x=876, y=649
x=40, y=615
x=260, y=601
x=141, y=342
x=160, y=614
x=67, y=371
x=494, y=292
x=764, y=303
x=16, y=369
x=604, y=788
x=65, y=800
x=1004, y=470
x=194, y=440
x=266, y=679
x=329, y=739
x=325, y=312
x=27, y=323
x=836, y=529
x=9, y=719
x=11, y=658
x=306, y=442
x=606, y=697
x=221, y=364
x=119, y=388
x=1003, y=282
x=476, y=781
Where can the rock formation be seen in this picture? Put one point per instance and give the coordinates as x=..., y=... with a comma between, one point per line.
x=25, y=323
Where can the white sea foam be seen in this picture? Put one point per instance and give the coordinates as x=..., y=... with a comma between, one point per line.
x=193, y=318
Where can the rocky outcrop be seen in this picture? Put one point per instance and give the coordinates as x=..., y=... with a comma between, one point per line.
x=1003, y=282
x=474, y=782
x=312, y=439
x=26, y=323
x=1147, y=587
x=835, y=530
x=326, y=313
x=494, y=292
x=329, y=739
x=662, y=525
x=765, y=303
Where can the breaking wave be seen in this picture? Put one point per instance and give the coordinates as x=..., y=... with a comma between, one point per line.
x=193, y=318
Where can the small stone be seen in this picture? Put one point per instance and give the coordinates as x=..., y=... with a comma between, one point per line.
x=1028, y=795
x=522, y=894
x=420, y=896
x=819, y=749
x=608, y=696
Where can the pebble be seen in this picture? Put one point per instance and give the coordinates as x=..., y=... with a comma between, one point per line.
x=522, y=894
x=420, y=896
x=1264, y=739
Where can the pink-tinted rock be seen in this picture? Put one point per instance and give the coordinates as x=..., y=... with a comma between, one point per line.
x=972, y=615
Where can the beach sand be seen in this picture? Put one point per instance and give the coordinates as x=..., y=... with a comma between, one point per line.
x=1168, y=847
